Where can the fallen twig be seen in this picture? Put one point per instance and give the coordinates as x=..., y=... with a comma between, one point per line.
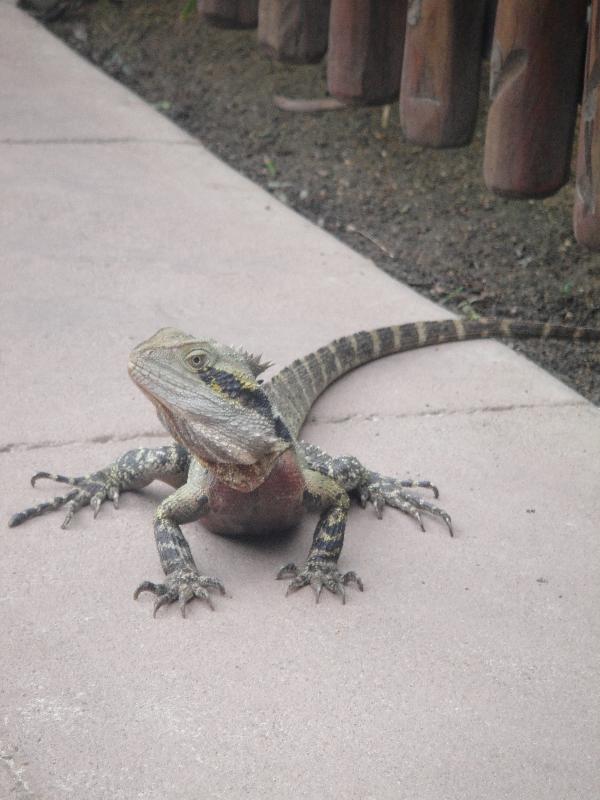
x=352, y=229
x=299, y=104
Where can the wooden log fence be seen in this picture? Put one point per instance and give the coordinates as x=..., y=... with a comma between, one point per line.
x=535, y=70
x=429, y=53
x=440, y=76
x=586, y=213
x=366, y=42
x=295, y=31
x=230, y=13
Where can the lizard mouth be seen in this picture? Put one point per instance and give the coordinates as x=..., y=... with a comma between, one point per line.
x=141, y=378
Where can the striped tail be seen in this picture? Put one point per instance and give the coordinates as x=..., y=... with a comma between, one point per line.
x=295, y=388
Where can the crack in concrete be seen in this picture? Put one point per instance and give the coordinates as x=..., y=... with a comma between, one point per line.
x=18, y=447
x=444, y=412
x=108, y=140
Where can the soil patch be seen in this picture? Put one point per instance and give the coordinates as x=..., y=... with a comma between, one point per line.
x=424, y=216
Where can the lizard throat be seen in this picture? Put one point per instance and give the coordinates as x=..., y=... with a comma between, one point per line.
x=239, y=476
x=242, y=477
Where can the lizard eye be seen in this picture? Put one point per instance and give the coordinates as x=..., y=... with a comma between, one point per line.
x=197, y=359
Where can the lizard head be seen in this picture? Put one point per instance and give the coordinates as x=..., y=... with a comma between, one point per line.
x=208, y=397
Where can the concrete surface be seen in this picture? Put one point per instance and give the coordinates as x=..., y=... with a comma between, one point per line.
x=468, y=668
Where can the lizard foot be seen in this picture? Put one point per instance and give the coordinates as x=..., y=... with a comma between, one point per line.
x=183, y=585
x=90, y=490
x=319, y=575
x=383, y=491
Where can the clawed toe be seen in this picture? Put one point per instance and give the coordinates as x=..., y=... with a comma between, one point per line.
x=319, y=576
x=352, y=577
x=161, y=600
x=183, y=586
x=382, y=491
x=148, y=586
x=90, y=490
x=290, y=570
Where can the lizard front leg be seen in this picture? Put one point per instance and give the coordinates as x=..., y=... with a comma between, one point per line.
x=133, y=470
x=183, y=581
x=320, y=569
x=371, y=486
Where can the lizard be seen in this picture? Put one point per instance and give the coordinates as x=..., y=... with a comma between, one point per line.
x=236, y=461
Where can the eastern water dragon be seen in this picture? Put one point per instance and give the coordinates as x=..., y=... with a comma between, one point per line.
x=236, y=462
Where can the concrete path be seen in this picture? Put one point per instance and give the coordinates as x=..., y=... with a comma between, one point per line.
x=468, y=668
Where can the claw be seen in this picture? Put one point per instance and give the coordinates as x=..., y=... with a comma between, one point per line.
x=148, y=586
x=184, y=599
x=290, y=570
x=317, y=589
x=113, y=494
x=39, y=475
x=215, y=583
x=448, y=521
x=379, y=504
x=422, y=485
x=79, y=499
x=337, y=587
x=202, y=594
x=161, y=600
x=68, y=517
x=299, y=582
x=96, y=502
x=352, y=577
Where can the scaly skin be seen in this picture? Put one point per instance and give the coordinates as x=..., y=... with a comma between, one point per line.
x=237, y=464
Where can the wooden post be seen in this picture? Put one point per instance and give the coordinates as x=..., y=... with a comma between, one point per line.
x=294, y=30
x=586, y=212
x=230, y=13
x=440, y=72
x=534, y=84
x=366, y=41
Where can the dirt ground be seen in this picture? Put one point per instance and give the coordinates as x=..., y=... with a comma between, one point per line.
x=424, y=216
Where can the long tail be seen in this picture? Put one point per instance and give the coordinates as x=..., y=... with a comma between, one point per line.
x=296, y=387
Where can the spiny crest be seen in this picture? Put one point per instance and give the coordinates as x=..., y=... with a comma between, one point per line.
x=255, y=362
